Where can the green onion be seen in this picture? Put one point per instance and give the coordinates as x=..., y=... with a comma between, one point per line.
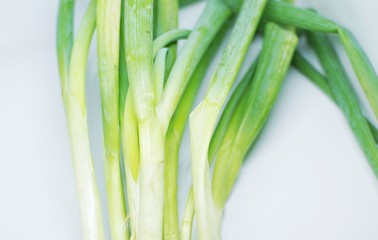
x=287, y=14
x=215, y=143
x=147, y=95
x=303, y=66
x=167, y=38
x=108, y=37
x=211, y=20
x=173, y=139
x=166, y=19
x=345, y=96
x=362, y=67
x=139, y=60
x=72, y=64
x=203, y=118
x=252, y=113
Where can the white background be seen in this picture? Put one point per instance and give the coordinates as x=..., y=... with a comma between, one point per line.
x=305, y=179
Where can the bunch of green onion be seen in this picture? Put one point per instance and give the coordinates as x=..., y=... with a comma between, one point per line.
x=148, y=88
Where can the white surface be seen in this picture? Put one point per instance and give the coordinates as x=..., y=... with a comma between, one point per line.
x=305, y=179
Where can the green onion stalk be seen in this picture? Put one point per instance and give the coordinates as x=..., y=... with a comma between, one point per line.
x=153, y=121
x=166, y=14
x=147, y=93
x=108, y=43
x=216, y=140
x=129, y=126
x=254, y=109
x=72, y=58
x=309, y=20
x=251, y=113
x=129, y=136
x=223, y=167
x=287, y=14
x=173, y=139
x=345, y=96
x=309, y=71
x=139, y=60
x=203, y=119
x=172, y=146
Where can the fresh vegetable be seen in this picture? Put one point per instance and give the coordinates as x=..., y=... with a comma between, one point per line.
x=72, y=58
x=149, y=86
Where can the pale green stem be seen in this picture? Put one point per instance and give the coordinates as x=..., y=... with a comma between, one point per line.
x=64, y=39
x=215, y=144
x=73, y=74
x=139, y=59
x=211, y=20
x=187, y=222
x=131, y=158
x=169, y=37
x=108, y=37
x=159, y=73
x=166, y=19
x=203, y=118
x=130, y=141
x=172, y=144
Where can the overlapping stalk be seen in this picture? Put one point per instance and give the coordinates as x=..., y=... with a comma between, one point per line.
x=173, y=141
x=211, y=20
x=254, y=109
x=345, y=96
x=147, y=94
x=108, y=38
x=139, y=60
x=287, y=14
x=203, y=118
x=216, y=140
x=305, y=67
x=166, y=19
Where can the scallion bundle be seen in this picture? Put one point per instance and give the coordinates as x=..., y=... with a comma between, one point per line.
x=148, y=88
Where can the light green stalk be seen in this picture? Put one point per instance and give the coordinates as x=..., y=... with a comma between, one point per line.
x=130, y=141
x=216, y=140
x=204, y=117
x=166, y=19
x=159, y=73
x=169, y=37
x=362, y=67
x=172, y=144
x=73, y=74
x=108, y=37
x=211, y=20
x=131, y=156
x=187, y=221
x=229, y=111
x=345, y=96
x=64, y=40
x=252, y=113
x=139, y=57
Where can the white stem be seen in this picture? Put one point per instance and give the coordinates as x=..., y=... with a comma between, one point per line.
x=152, y=139
x=130, y=148
x=202, y=123
x=89, y=199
